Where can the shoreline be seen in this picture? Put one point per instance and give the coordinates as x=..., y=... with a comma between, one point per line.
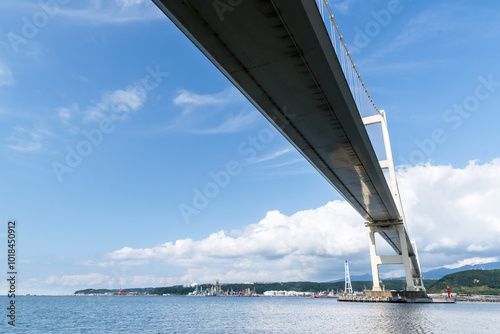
x=472, y=299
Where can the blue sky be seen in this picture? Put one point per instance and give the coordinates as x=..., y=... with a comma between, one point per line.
x=155, y=123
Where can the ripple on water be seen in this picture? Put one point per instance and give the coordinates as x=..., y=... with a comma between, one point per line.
x=276, y=315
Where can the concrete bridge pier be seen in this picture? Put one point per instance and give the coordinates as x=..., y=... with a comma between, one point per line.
x=414, y=281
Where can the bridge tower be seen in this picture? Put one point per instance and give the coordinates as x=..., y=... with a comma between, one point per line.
x=394, y=231
x=406, y=251
x=301, y=77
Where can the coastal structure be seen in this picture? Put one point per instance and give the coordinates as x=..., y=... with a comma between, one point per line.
x=348, y=284
x=216, y=290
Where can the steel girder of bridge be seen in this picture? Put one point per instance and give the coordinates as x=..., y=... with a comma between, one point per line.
x=279, y=55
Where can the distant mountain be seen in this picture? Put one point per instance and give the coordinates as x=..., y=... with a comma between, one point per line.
x=441, y=272
x=355, y=278
x=434, y=274
x=112, y=291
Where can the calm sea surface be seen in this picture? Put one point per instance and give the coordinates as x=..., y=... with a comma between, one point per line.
x=72, y=314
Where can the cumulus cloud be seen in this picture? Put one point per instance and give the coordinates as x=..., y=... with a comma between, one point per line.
x=336, y=231
x=451, y=213
x=295, y=244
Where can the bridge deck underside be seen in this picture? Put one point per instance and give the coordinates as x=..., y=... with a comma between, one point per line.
x=279, y=55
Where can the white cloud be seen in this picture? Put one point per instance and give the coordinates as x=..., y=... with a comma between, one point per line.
x=344, y=6
x=113, y=264
x=337, y=231
x=219, y=113
x=117, y=104
x=91, y=11
x=69, y=282
x=287, y=163
x=478, y=248
x=92, y=279
x=421, y=28
x=6, y=77
x=472, y=262
x=153, y=281
x=233, y=123
x=24, y=140
x=280, y=164
x=65, y=115
x=112, y=12
x=189, y=99
x=451, y=212
x=129, y=3
x=273, y=156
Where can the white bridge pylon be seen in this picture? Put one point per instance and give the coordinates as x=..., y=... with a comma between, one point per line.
x=406, y=251
x=394, y=231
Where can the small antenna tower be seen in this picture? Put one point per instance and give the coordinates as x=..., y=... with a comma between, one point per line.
x=348, y=285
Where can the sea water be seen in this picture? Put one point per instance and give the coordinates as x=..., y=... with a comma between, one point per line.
x=162, y=314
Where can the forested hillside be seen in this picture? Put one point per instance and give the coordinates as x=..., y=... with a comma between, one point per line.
x=481, y=282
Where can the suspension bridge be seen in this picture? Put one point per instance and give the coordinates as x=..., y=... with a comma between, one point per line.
x=289, y=59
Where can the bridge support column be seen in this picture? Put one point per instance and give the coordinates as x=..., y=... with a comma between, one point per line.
x=374, y=261
x=402, y=258
x=406, y=254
